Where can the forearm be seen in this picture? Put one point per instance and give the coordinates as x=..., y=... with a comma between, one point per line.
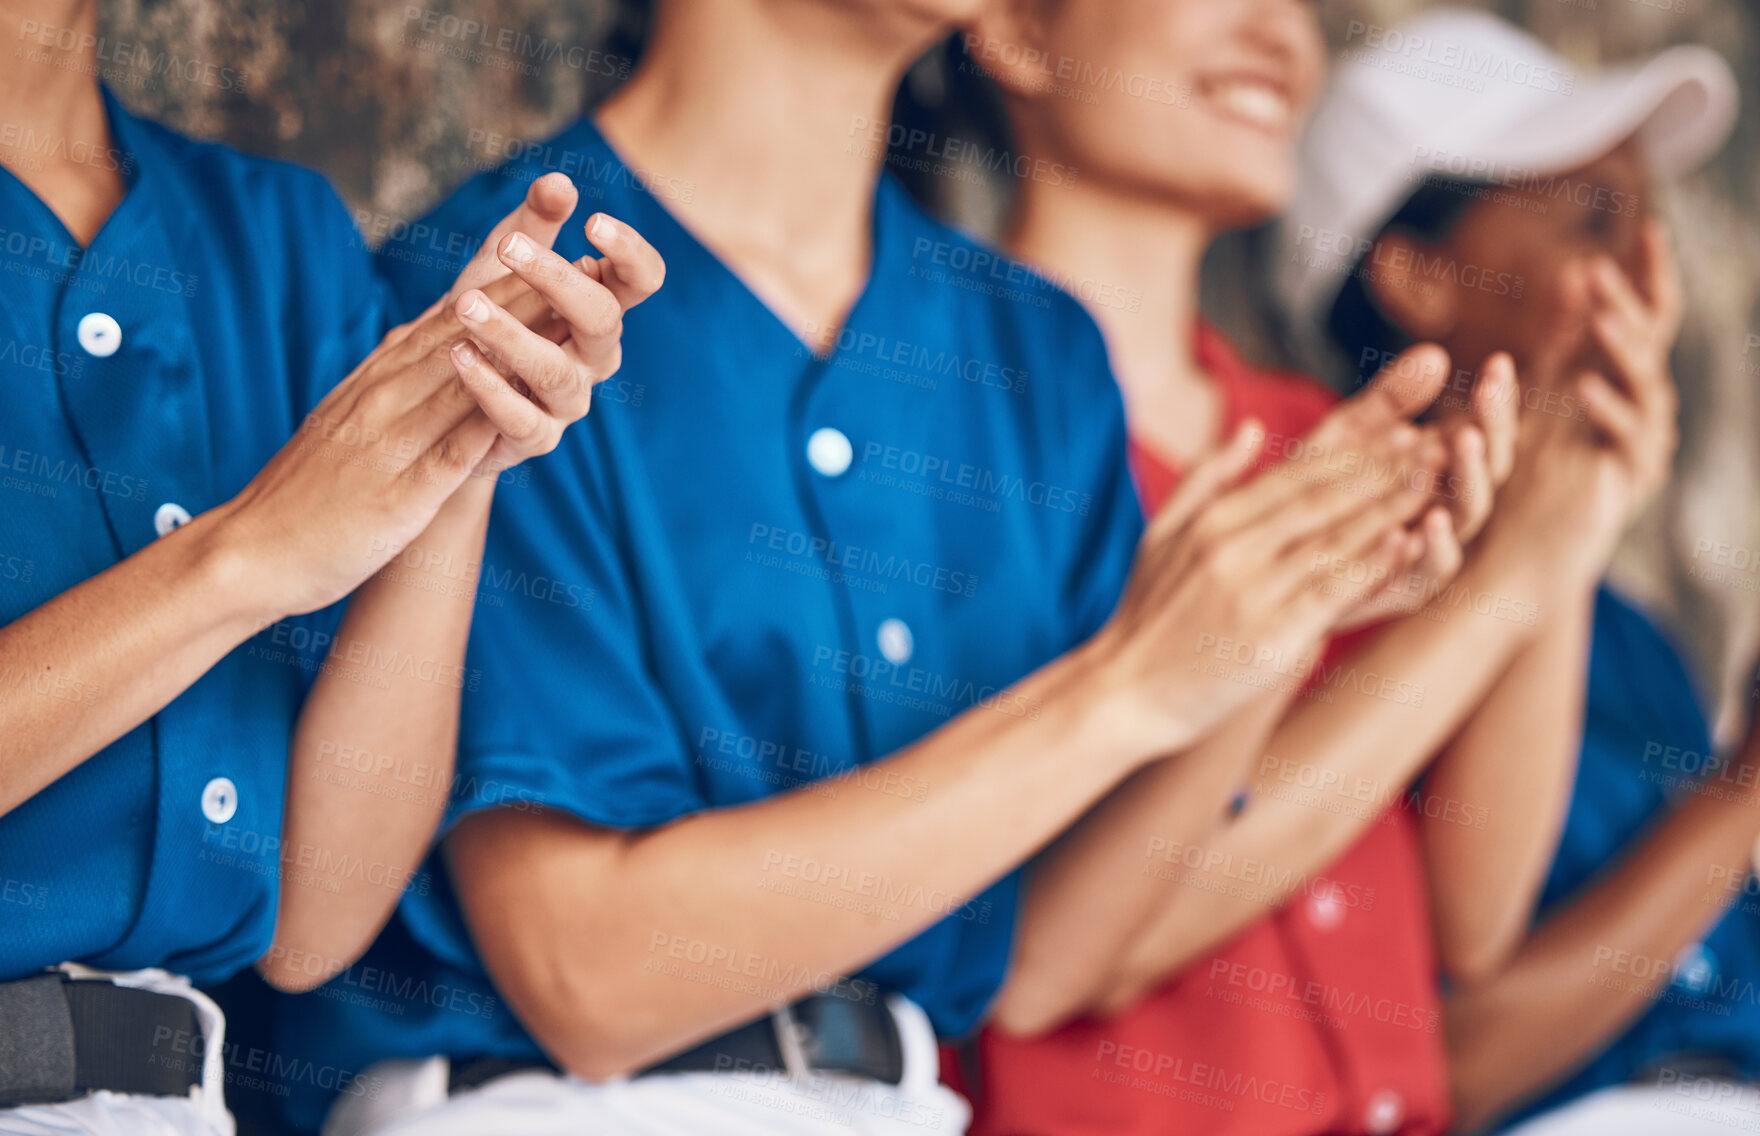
x=1572, y=986
x=617, y=949
x=372, y=756
x=1346, y=751
x=1513, y=764
x=1092, y=890
x=101, y=658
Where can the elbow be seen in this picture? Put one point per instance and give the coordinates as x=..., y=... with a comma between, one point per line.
x=1032, y=1005
x=594, y=1058
x=1027, y=1017
x=1471, y=960
x=593, y=1024
x=1477, y=1062
x=1475, y=1108
x=291, y=970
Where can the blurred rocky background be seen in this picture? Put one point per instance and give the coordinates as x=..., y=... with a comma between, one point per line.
x=399, y=101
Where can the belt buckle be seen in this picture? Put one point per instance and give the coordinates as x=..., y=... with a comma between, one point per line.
x=791, y=1038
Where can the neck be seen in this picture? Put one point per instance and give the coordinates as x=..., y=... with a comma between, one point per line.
x=1135, y=264
x=53, y=112
x=47, y=82
x=769, y=112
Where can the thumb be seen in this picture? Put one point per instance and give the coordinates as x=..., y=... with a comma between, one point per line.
x=1406, y=387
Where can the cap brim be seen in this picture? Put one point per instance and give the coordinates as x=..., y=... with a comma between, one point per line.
x=1681, y=105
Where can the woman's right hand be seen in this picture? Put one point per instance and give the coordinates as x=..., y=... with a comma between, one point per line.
x=500, y=367
x=1235, y=584
x=1589, y=459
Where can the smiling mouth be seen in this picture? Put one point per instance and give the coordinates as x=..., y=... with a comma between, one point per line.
x=1252, y=102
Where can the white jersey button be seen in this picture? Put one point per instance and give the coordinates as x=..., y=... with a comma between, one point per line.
x=100, y=335
x=1325, y=911
x=1386, y=1112
x=829, y=451
x=220, y=800
x=169, y=516
x=1695, y=968
x=896, y=641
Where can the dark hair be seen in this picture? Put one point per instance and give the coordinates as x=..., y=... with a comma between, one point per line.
x=949, y=95
x=1356, y=322
x=625, y=39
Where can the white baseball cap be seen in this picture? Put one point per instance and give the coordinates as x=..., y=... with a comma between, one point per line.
x=1465, y=95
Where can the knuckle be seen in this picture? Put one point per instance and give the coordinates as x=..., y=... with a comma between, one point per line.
x=375, y=404
x=603, y=319
x=528, y=433
x=449, y=455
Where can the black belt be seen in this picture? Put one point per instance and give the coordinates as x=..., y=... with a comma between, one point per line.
x=820, y=1033
x=61, y=1038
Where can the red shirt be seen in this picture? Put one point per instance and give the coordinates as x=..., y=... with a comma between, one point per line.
x=1323, y=1017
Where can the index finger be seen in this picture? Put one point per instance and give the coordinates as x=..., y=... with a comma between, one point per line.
x=1399, y=392
x=548, y=202
x=1363, y=426
x=631, y=267
x=1659, y=277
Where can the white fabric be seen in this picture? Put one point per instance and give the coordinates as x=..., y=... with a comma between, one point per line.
x=1686, y=1106
x=202, y=1113
x=412, y=1101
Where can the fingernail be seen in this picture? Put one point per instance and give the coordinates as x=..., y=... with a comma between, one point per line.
x=519, y=249
x=464, y=353
x=600, y=228
x=476, y=311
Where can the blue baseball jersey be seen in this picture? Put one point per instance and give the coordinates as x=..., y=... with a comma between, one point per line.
x=1645, y=743
x=754, y=570
x=143, y=379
